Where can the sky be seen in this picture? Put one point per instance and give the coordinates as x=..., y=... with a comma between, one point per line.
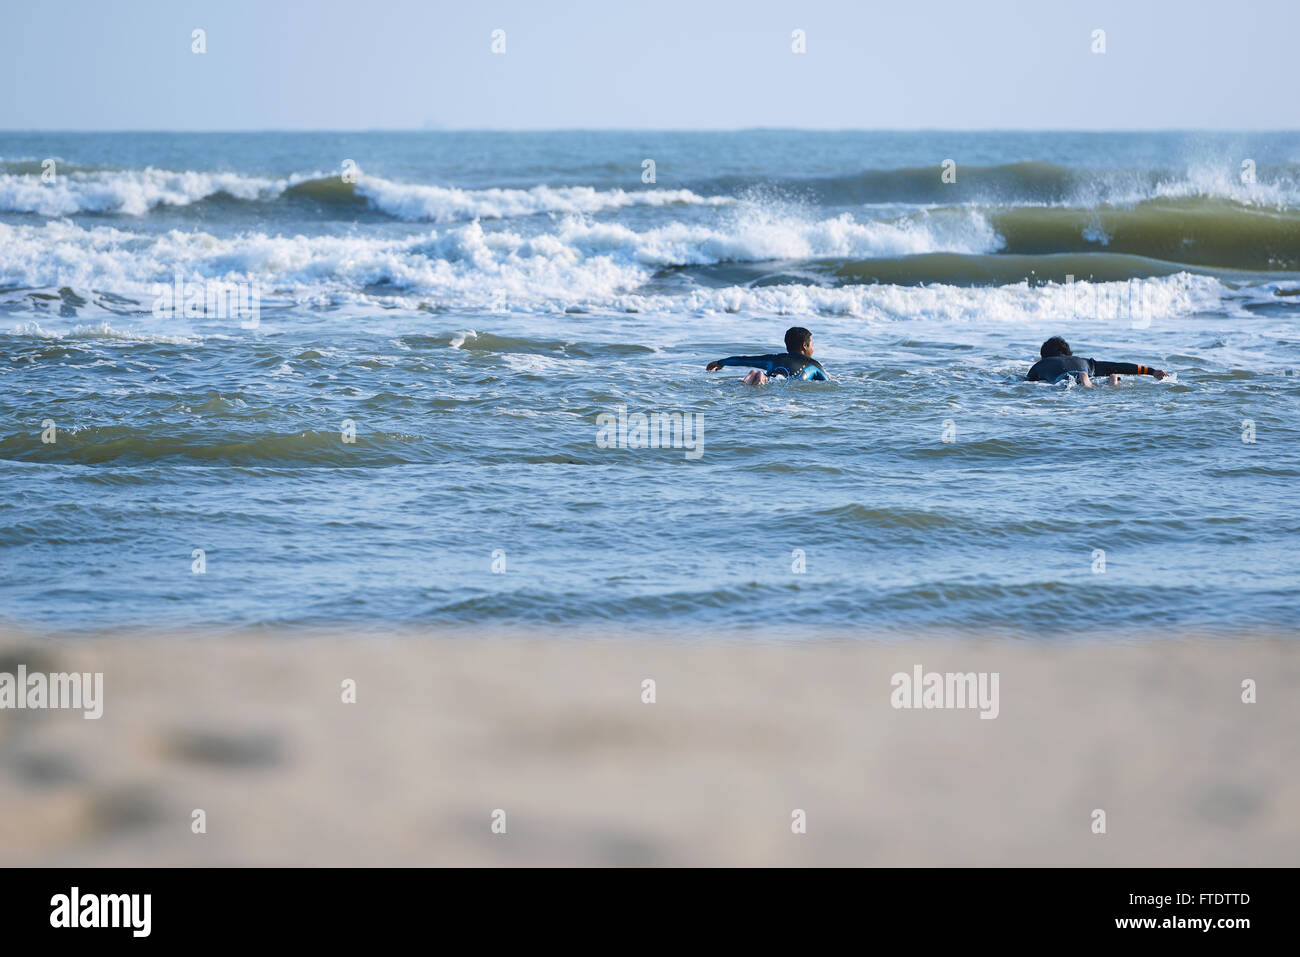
x=660, y=64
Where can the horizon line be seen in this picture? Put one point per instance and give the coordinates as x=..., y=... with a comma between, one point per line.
x=651, y=129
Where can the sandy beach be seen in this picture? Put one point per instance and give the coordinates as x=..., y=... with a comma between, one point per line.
x=449, y=730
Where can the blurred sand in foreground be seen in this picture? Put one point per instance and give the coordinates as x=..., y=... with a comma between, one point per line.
x=553, y=731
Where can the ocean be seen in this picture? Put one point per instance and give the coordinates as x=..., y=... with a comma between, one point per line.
x=402, y=420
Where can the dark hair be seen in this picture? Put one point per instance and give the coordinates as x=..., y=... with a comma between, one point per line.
x=796, y=337
x=1055, y=346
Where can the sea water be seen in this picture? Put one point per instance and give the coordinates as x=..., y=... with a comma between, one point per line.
x=407, y=430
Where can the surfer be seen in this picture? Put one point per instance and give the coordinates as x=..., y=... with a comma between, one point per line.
x=795, y=363
x=1057, y=362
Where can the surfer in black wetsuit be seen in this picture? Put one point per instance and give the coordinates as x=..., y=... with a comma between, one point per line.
x=1057, y=362
x=795, y=363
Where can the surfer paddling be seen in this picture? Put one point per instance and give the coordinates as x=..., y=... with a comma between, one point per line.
x=1058, y=363
x=795, y=363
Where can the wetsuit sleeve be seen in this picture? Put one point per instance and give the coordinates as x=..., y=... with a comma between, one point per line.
x=815, y=372
x=754, y=362
x=1117, y=368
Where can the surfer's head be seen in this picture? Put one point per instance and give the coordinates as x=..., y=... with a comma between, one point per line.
x=1055, y=346
x=798, y=341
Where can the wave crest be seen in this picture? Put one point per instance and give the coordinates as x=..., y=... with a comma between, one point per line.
x=137, y=192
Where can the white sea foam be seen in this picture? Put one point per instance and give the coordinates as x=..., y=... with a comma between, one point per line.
x=1162, y=298
x=755, y=233
x=100, y=330
x=129, y=192
x=137, y=191
x=1216, y=180
x=440, y=204
x=577, y=263
x=1223, y=181
x=470, y=265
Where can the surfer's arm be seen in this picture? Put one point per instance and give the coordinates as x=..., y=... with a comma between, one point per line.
x=815, y=373
x=752, y=362
x=1124, y=368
